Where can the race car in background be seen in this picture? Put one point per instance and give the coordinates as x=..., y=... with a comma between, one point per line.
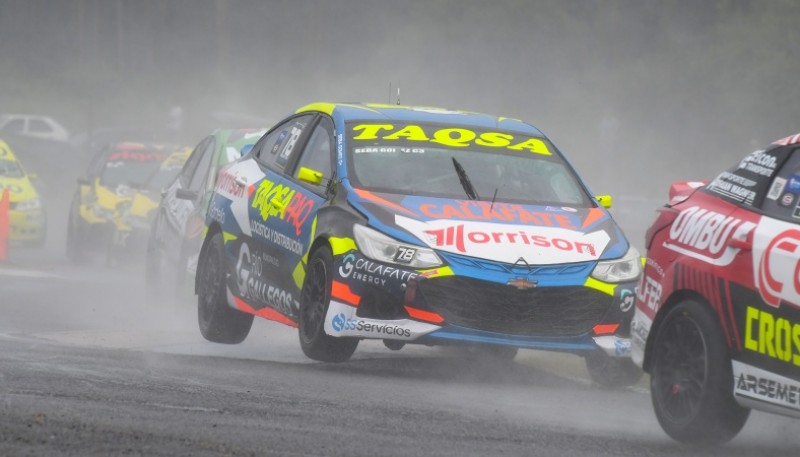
x=110, y=177
x=416, y=225
x=176, y=232
x=717, y=320
x=133, y=217
x=27, y=221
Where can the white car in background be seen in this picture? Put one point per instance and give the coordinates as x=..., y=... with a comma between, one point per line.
x=33, y=125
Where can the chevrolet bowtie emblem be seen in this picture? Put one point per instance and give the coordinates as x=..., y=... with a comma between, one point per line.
x=522, y=283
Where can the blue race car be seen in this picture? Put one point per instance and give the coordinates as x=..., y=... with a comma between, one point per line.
x=416, y=225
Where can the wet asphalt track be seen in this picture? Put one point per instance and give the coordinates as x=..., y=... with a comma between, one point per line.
x=90, y=366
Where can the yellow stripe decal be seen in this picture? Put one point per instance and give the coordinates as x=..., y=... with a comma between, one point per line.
x=340, y=246
x=604, y=287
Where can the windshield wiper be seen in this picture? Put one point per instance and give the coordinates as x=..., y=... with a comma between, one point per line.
x=465, y=182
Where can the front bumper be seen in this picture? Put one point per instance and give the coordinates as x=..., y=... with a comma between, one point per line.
x=373, y=300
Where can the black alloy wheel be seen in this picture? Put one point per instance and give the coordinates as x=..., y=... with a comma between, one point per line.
x=218, y=322
x=691, y=381
x=314, y=300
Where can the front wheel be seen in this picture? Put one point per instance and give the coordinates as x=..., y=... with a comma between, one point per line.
x=218, y=322
x=691, y=380
x=314, y=300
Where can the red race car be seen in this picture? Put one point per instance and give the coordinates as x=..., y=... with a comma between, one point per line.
x=717, y=319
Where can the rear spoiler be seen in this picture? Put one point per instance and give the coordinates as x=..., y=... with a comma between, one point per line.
x=681, y=190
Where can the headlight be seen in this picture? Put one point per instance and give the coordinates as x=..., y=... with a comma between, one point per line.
x=29, y=205
x=626, y=268
x=380, y=247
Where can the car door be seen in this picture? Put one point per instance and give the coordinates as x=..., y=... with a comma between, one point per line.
x=269, y=254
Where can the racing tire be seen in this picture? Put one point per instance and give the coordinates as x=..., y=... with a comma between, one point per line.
x=612, y=372
x=314, y=301
x=691, y=378
x=218, y=322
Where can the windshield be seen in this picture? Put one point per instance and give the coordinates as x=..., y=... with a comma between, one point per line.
x=446, y=162
x=10, y=169
x=130, y=168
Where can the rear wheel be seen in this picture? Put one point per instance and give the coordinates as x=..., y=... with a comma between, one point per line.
x=314, y=300
x=612, y=372
x=218, y=322
x=691, y=381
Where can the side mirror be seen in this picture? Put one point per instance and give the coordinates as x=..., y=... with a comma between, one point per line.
x=604, y=200
x=310, y=176
x=186, y=194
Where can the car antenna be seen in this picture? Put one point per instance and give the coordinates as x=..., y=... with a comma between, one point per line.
x=398, y=95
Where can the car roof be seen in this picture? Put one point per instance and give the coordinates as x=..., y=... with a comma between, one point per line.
x=346, y=112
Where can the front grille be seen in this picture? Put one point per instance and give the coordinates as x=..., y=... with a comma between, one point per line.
x=493, y=307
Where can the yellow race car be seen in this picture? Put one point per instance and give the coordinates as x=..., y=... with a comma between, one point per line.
x=111, y=178
x=133, y=216
x=26, y=212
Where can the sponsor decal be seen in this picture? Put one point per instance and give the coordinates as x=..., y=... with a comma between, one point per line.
x=775, y=337
x=787, y=199
x=622, y=347
x=277, y=238
x=228, y=184
x=760, y=163
x=704, y=235
x=758, y=384
x=341, y=323
x=388, y=150
x=339, y=149
x=370, y=272
x=249, y=274
x=215, y=213
x=470, y=210
x=777, y=188
x=733, y=191
x=778, y=270
x=655, y=266
x=794, y=183
x=796, y=212
x=453, y=137
x=507, y=243
x=649, y=292
x=627, y=298
x=284, y=202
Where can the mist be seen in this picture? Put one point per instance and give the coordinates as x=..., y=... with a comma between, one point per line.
x=636, y=94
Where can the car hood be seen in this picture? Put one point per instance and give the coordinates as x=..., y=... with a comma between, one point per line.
x=502, y=232
x=19, y=189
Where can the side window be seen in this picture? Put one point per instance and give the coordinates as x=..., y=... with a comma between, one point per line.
x=194, y=158
x=38, y=126
x=15, y=126
x=747, y=183
x=783, y=198
x=276, y=147
x=199, y=173
x=318, y=152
